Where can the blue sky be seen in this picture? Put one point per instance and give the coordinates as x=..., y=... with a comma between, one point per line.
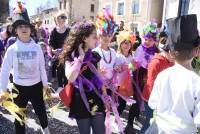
x=32, y=5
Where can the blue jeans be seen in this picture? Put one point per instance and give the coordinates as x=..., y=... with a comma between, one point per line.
x=95, y=122
x=149, y=115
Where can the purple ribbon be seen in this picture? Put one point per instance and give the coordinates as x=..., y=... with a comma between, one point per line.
x=95, y=84
x=150, y=50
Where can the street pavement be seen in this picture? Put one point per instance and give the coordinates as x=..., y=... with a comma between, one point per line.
x=59, y=123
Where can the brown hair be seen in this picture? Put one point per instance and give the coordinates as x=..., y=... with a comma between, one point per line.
x=120, y=49
x=184, y=54
x=76, y=37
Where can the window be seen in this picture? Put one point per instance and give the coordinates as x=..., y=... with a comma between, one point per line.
x=65, y=2
x=92, y=8
x=135, y=7
x=92, y=18
x=60, y=5
x=120, y=8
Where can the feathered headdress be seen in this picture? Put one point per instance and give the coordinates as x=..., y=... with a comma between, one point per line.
x=20, y=15
x=150, y=30
x=105, y=23
x=125, y=35
x=19, y=8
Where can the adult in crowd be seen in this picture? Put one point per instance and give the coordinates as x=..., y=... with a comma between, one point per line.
x=56, y=41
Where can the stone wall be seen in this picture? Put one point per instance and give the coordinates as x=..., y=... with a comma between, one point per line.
x=4, y=10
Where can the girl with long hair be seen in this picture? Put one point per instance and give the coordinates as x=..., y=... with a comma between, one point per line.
x=81, y=63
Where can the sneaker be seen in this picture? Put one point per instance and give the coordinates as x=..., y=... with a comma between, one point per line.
x=46, y=130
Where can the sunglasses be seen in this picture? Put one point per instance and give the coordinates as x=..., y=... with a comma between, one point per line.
x=63, y=17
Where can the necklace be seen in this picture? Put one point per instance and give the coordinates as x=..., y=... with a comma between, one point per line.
x=104, y=58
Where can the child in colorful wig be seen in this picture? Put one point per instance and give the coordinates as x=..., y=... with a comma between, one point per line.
x=142, y=58
x=106, y=27
x=125, y=66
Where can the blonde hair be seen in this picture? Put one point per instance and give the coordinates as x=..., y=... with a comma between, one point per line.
x=125, y=36
x=60, y=14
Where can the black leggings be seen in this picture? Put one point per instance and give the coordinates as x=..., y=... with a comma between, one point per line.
x=34, y=94
x=139, y=77
x=122, y=105
x=59, y=72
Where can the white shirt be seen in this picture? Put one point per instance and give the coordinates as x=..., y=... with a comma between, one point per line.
x=176, y=97
x=123, y=60
x=105, y=66
x=27, y=61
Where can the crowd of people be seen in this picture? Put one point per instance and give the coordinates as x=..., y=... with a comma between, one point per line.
x=107, y=67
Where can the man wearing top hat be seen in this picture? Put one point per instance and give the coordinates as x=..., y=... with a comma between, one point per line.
x=26, y=59
x=176, y=91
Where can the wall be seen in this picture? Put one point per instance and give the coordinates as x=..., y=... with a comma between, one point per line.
x=4, y=10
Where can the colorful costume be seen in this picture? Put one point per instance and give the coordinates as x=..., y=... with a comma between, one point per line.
x=124, y=79
x=106, y=26
x=105, y=23
x=142, y=57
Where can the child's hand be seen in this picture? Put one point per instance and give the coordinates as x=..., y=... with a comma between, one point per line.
x=136, y=65
x=2, y=97
x=81, y=52
x=118, y=68
x=46, y=91
x=102, y=71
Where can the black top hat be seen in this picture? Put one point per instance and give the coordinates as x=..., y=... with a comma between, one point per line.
x=21, y=19
x=183, y=32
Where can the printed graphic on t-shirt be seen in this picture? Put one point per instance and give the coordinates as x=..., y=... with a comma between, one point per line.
x=26, y=64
